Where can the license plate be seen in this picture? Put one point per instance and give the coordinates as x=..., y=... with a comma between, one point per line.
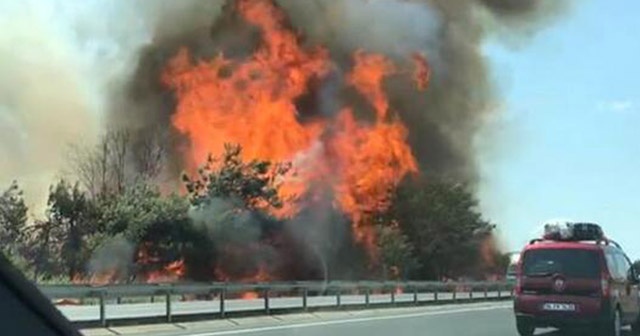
x=559, y=307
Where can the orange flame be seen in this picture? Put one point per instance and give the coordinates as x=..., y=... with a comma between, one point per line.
x=252, y=102
x=170, y=273
x=422, y=74
x=249, y=296
x=103, y=277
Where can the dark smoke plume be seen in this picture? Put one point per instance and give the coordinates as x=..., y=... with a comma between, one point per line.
x=443, y=121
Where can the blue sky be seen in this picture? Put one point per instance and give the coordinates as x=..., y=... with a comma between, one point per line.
x=567, y=144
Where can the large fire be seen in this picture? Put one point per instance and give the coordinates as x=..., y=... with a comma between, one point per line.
x=253, y=102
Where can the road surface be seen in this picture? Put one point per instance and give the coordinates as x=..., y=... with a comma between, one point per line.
x=479, y=319
x=158, y=309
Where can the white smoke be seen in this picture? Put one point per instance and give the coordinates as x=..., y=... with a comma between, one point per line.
x=59, y=60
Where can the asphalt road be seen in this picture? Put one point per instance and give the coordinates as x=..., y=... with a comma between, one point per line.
x=114, y=311
x=481, y=319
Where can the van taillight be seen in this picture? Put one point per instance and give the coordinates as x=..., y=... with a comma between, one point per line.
x=604, y=284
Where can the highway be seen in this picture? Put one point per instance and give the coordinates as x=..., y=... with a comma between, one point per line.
x=478, y=319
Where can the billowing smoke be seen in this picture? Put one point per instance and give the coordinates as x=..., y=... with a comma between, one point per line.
x=69, y=70
x=443, y=121
x=45, y=102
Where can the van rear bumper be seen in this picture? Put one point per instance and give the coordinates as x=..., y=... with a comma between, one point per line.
x=588, y=307
x=560, y=321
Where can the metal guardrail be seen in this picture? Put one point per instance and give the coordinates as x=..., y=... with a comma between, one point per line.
x=222, y=291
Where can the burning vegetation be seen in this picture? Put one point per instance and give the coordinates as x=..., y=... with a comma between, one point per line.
x=263, y=140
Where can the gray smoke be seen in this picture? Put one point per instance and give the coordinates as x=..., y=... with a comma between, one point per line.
x=113, y=258
x=238, y=236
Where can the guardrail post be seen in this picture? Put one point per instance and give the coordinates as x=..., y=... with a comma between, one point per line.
x=338, y=298
x=168, y=305
x=435, y=295
x=455, y=293
x=153, y=298
x=118, y=300
x=223, y=294
x=305, y=294
x=393, y=296
x=499, y=292
x=471, y=293
x=266, y=302
x=486, y=292
x=103, y=313
x=415, y=295
x=367, y=293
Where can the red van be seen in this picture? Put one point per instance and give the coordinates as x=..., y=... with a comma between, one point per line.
x=580, y=278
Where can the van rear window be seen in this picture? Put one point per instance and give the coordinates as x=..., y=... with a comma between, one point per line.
x=570, y=263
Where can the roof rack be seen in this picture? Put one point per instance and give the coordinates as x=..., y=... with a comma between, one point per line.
x=604, y=241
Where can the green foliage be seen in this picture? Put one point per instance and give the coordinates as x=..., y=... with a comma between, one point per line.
x=13, y=219
x=396, y=253
x=254, y=184
x=432, y=230
x=443, y=224
x=143, y=216
x=71, y=219
x=231, y=200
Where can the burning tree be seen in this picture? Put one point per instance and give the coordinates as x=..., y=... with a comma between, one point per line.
x=234, y=202
x=265, y=103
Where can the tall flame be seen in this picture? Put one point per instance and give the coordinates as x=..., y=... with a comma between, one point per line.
x=252, y=102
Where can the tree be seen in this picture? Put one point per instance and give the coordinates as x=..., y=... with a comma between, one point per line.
x=72, y=217
x=13, y=220
x=232, y=202
x=396, y=252
x=253, y=184
x=43, y=252
x=443, y=224
x=117, y=161
x=159, y=227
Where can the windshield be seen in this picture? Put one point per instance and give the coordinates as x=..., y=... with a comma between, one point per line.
x=568, y=262
x=178, y=161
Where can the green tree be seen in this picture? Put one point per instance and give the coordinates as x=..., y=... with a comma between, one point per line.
x=253, y=184
x=396, y=253
x=42, y=255
x=158, y=226
x=444, y=225
x=13, y=219
x=72, y=217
